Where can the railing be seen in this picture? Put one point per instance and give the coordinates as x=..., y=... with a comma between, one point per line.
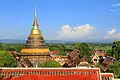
x=82, y=72
x=107, y=76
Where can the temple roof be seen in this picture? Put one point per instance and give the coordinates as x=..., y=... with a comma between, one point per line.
x=45, y=50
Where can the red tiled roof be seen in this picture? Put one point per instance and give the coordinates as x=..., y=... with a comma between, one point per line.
x=55, y=52
x=108, y=60
x=68, y=77
x=73, y=53
x=100, y=52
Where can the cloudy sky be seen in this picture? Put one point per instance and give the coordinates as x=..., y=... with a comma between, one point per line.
x=61, y=19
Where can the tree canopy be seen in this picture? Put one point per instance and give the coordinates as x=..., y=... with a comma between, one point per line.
x=7, y=60
x=84, y=50
x=116, y=49
x=50, y=64
x=115, y=68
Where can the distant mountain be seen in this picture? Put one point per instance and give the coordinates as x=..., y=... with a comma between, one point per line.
x=15, y=41
x=100, y=41
x=54, y=41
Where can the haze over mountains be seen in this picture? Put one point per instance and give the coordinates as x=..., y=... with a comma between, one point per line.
x=15, y=41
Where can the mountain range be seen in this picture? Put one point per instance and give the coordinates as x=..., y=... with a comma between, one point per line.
x=18, y=41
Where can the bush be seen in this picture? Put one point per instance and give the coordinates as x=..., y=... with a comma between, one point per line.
x=50, y=64
x=7, y=60
x=114, y=68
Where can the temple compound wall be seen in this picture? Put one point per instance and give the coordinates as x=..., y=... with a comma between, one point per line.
x=81, y=73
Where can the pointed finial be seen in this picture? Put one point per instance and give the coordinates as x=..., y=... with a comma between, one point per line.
x=35, y=13
x=35, y=16
x=35, y=29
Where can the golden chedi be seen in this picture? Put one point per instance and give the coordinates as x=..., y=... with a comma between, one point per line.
x=35, y=49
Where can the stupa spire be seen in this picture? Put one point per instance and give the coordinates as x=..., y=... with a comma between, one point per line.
x=35, y=29
x=35, y=49
x=35, y=17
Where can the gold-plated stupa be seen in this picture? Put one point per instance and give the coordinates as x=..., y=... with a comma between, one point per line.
x=35, y=49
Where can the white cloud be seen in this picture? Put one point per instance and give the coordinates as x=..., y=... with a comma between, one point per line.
x=112, y=34
x=116, y=5
x=72, y=33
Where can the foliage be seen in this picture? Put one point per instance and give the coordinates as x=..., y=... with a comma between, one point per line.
x=53, y=47
x=63, y=49
x=14, y=47
x=11, y=47
x=116, y=49
x=115, y=68
x=2, y=46
x=50, y=64
x=6, y=60
x=62, y=54
x=109, y=52
x=84, y=50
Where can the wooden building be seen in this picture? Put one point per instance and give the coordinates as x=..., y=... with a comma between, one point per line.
x=73, y=59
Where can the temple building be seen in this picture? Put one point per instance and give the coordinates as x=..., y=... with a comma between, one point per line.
x=35, y=49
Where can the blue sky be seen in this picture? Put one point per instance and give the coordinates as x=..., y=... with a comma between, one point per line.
x=61, y=19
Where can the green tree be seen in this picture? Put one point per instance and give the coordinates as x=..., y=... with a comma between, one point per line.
x=109, y=52
x=53, y=47
x=2, y=46
x=84, y=50
x=7, y=60
x=77, y=46
x=63, y=50
x=62, y=53
x=116, y=49
x=50, y=64
x=115, y=68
